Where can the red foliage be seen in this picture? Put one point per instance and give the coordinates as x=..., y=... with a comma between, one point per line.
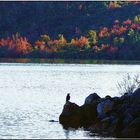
x=3, y=42
x=134, y=26
x=122, y=29
x=117, y=30
x=127, y=22
x=116, y=21
x=116, y=26
x=104, y=47
x=104, y=32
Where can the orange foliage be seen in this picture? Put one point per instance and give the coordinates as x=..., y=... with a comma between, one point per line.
x=75, y=42
x=83, y=41
x=39, y=43
x=113, y=5
x=61, y=42
x=20, y=44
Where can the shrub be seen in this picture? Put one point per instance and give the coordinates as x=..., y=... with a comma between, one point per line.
x=128, y=84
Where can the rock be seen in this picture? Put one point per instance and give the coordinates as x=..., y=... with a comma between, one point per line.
x=92, y=98
x=73, y=120
x=128, y=118
x=137, y=91
x=104, y=107
x=95, y=128
x=126, y=98
x=75, y=116
x=135, y=98
x=100, y=111
x=108, y=105
x=116, y=99
x=117, y=117
x=111, y=120
x=89, y=114
x=69, y=107
x=70, y=115
x=132, y=130
x=122, y=108
x=106, y=122
x=135, y=123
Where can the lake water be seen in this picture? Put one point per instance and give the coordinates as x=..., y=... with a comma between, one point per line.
x=31, y=95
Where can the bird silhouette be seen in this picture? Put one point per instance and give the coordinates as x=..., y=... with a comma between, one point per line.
x=68, y=97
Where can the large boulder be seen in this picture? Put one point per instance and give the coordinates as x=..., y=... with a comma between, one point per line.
x=117, y=117
x=132, y=130
x=69, y=107
x=70, y=116
x=89, y=114
x=105, y=107
x=92, y=98
x=135, y=98
x=128, y=118
x=75, y=116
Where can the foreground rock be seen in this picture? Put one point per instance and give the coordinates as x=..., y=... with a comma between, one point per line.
x=77, y=116
x=117, y=116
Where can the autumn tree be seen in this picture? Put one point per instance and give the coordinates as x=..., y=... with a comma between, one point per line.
x=93, y=37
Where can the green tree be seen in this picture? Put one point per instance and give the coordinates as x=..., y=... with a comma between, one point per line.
x=116, y=41
x=93, y=37
x=136, y=19
x=134, y=37
x=121, y=40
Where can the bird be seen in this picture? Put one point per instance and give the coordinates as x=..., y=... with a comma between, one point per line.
x=68, y=97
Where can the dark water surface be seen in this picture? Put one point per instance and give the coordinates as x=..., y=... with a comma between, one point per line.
x=33, y=94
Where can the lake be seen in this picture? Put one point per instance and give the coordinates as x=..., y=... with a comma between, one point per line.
x=33, y=94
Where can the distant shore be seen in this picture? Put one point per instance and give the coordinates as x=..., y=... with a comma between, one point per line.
x=69, y=61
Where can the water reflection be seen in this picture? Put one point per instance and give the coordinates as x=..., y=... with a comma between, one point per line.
x=69, y=61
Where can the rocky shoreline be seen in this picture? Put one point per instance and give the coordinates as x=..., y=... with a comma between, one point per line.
x=110, y=116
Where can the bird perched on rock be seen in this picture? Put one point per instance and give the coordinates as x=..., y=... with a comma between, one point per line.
x=68, y=97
